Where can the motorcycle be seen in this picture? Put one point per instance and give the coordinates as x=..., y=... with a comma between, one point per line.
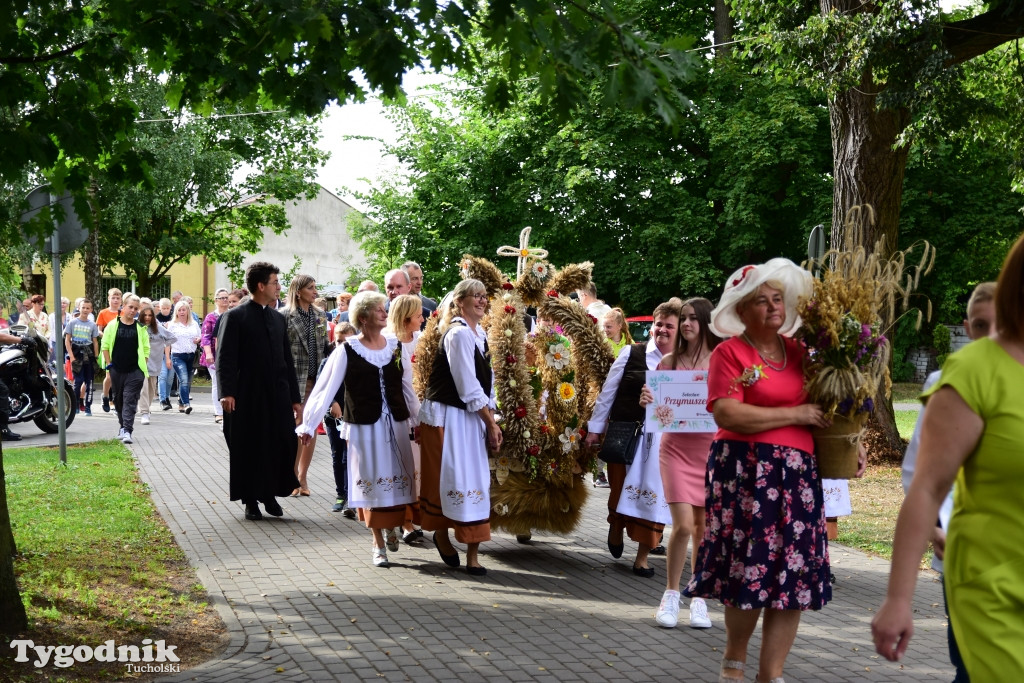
x=32, y=382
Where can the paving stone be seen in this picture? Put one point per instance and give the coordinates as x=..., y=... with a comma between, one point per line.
x=561, y=603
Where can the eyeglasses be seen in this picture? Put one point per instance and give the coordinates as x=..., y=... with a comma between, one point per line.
x=480, y=297
x=221, y=298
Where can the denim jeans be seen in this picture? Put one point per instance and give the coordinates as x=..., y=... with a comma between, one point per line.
x=164, y=381
x=182, y=363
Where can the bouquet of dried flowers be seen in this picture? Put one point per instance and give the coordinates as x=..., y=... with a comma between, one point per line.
x=847, y=354
x=847, y=351
x=847, y=361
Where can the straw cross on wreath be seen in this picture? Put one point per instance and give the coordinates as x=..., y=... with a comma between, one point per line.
x=523, y=252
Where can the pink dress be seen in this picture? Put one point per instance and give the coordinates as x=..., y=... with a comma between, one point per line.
x=684, y=463
x=684, y=466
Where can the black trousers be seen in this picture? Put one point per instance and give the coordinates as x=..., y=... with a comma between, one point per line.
x=127, y=387
x=339, y=457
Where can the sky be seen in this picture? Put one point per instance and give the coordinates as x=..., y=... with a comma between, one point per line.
x=357, y=163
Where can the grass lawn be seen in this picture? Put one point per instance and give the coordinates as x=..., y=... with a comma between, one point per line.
x=905, y=421
x=876, y=501
x=96, y=562
x=905, y=392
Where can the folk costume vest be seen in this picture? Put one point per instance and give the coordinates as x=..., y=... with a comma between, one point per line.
x=366, y=410
x=626, y=406
x=441, y=386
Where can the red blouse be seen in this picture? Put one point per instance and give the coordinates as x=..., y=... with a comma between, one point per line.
x=731, y=375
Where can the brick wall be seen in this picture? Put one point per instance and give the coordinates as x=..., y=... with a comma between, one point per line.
x=923, y=358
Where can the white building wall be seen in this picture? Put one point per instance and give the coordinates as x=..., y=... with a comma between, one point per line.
x=318, y=236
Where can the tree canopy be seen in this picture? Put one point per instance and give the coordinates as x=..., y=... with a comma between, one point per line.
x=195, y=206
x=661, y=212
x=885, y=68
x=60, y=63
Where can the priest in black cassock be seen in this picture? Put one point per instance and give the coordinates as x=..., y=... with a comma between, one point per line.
x=260, y=395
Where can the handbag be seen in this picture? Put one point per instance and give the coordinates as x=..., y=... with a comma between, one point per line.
x=620, y=442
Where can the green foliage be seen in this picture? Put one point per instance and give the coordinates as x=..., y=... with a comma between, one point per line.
x=195, y=205
x=942, y=339
x=61, y=64
x=905, y=338
x=958, y=195
x=659, y=212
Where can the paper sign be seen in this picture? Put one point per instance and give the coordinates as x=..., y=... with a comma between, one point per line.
x=680, y=400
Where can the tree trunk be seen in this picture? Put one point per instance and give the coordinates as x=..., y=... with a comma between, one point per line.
x=724, y=26
x=12, y=612
x=869, y=170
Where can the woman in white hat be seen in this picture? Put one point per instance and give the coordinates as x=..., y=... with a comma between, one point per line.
x=766, y=546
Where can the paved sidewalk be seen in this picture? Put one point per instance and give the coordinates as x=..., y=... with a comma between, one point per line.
x=302, y=601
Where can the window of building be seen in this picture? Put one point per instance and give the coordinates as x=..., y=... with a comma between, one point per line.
x=161, y=289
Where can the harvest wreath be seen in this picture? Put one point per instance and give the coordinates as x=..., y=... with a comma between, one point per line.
x=537, y=474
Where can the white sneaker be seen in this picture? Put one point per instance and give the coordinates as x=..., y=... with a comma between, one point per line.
x=380, y=557
x=668, y=612
x=144, y=419
x=127, y=438
x=121, y=433
x=699, y=614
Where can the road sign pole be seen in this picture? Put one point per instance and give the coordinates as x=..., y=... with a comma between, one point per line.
x=58, y=322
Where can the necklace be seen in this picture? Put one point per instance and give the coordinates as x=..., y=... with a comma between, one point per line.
x=766, y=356
x=696, y=359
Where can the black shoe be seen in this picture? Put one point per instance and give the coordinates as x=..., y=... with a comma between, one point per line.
x=615, y=550
x=106, y=404
x=349, y=513
x=7, y=435
x=476, y=571
x=166, y=404
x=646, y=572
x=273, y=507
x=188, y=409
x=450, y=560
x=658, y=550
x=252, y=512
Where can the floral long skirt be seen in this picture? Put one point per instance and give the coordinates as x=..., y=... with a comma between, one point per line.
x=765, y=544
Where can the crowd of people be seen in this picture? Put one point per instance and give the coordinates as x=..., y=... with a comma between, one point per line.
x=166, y=335
x=747, y=495
x=744, y=499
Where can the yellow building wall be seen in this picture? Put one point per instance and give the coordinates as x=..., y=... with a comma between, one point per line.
x=194, y=279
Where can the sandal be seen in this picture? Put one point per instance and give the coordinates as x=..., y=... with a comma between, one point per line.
x=730, y=664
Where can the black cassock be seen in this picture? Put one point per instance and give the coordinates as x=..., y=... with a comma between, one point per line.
x=254, y=365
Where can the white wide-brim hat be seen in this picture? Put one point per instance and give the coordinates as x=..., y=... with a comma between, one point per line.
x=796, y=283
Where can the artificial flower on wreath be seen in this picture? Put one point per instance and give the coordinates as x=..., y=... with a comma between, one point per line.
x=557, y=356
x=570, y=439
x=566, y=391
